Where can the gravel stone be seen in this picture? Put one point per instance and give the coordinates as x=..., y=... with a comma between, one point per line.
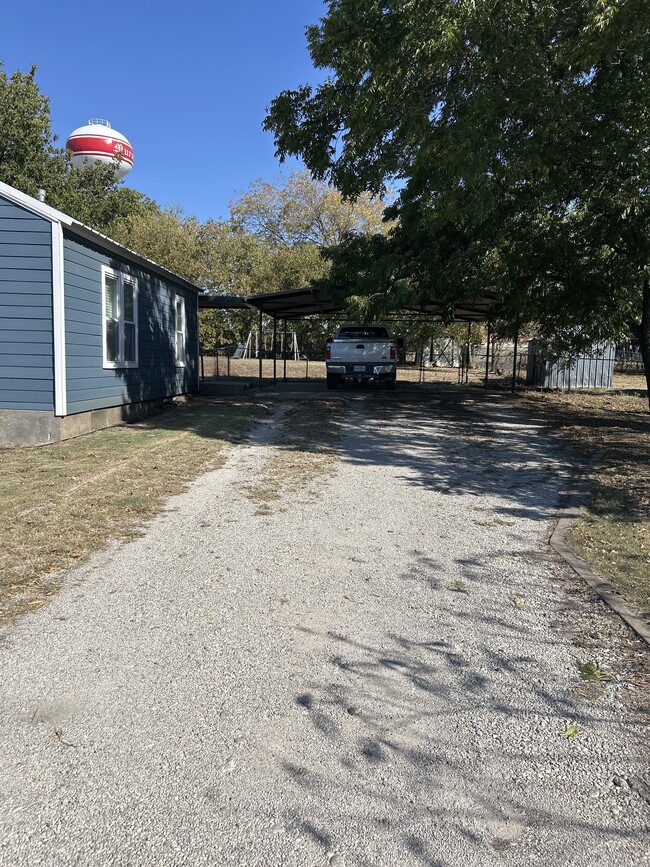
x=303, y=686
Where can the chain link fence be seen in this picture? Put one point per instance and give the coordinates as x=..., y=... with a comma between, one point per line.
x=456, y=364
x=225, y=362
x=613, y=368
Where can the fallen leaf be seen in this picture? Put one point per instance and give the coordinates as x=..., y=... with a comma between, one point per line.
x=571, y=731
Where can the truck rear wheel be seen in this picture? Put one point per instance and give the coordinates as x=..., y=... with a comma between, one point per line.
x=332, y=380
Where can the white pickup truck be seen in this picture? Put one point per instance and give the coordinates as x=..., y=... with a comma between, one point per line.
x=361, y=352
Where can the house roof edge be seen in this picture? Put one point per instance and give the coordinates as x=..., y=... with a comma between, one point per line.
x=41, y=209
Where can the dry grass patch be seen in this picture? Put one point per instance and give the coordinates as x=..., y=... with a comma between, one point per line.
x=249, y=368
x=60, y=502
x=613, y=533
x=306, y=453
x=314, y=371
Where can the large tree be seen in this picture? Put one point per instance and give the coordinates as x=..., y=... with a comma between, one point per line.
x=223, y=257
x=29, y=159
x=300, y=210
x=92, y=195
x=297, y=219
x=518, y=135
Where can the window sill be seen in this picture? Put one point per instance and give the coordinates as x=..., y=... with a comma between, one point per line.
x=127, y=365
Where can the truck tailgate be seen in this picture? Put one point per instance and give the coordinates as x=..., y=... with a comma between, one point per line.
x=362, y=351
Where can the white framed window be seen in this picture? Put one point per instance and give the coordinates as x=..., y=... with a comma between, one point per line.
x=179, y=330
x=120, y=320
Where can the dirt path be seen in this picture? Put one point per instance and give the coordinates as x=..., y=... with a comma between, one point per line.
x=348, y=646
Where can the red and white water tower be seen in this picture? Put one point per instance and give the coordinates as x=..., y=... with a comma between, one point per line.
x=98, y=142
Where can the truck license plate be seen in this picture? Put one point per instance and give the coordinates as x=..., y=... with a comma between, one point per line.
x=361, y=368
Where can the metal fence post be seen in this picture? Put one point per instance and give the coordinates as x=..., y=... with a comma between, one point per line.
x=260, y=349
x=514, y=357
x=275, y=340
x=284, y=352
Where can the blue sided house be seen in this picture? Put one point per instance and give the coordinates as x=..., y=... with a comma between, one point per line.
x=91, y=333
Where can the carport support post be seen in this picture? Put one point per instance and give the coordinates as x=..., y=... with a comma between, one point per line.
x=487, y=352
x=469, y=348
x=514, y=357
x=260, y=347
x=284, y=352
x=275, y=340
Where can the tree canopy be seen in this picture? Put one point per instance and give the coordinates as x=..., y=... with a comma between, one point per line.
x=518, y=136
x=28, y=157
x=300, y=210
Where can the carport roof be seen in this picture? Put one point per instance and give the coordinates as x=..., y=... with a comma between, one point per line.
x=476, y=310
x=291, y=304
x=296, y=303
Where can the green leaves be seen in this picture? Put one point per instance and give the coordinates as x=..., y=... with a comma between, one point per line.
x=590, y=672
x=519, y=135
x=300, y=210
x=28, y=158
x=571, y=731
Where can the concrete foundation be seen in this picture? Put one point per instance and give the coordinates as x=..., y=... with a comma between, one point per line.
x=37, y=427
x=217, y=387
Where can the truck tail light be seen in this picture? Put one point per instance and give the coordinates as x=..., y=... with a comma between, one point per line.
x=328, y=352
x=393, y=353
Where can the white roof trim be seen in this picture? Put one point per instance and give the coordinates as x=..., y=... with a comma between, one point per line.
x=58, y=322
x=54, y=216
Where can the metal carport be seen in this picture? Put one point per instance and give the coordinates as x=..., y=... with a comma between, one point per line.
x=299, y=303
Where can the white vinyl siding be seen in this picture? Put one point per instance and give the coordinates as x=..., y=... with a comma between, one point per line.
x=120, y=324
x=179, y=316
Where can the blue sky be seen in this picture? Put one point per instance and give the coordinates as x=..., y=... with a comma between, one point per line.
x=187, y=84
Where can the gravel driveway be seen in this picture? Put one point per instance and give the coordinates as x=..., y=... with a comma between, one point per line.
x=355, y=653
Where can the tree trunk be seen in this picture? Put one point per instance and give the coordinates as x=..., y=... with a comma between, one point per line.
x=642, y=332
